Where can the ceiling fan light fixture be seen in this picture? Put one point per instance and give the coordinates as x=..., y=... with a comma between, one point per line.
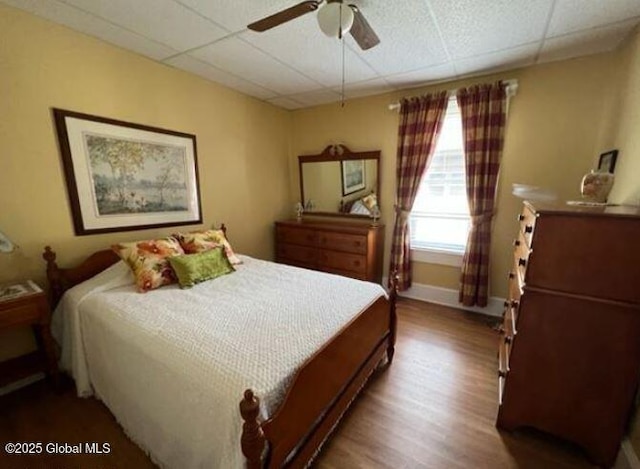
x=335, y=19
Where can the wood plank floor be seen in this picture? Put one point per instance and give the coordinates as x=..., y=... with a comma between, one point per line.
x=435, y=407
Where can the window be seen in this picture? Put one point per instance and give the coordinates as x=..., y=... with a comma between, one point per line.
x=440, y=218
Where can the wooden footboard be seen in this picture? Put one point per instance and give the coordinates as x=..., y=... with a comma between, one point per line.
x=321, y=391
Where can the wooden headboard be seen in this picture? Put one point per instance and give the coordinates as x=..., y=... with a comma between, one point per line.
x=60, y=280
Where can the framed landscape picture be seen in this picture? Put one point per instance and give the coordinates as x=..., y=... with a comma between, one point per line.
x=353, y=176
x=123, y=176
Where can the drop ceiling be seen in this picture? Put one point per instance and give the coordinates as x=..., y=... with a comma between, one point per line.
x=295, y=65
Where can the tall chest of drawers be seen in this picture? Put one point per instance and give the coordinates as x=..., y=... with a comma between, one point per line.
x=345, y=248
x=569, y=353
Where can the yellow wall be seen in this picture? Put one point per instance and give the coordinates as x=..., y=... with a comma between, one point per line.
x=243, y=144
x=621, y=124
x=550, y=141
x=624, y=133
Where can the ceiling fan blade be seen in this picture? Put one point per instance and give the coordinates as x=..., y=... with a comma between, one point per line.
x=285, y=15
x=362, y=31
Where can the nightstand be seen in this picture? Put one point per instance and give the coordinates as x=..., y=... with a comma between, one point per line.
x=25, y=304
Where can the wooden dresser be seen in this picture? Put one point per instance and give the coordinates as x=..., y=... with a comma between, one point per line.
x=569, y=353
x=345, y=248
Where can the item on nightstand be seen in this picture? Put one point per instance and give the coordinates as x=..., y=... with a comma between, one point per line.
x=299, y=210
x=5, y=243
x=25, y=304
x=375, y=214
x=596, y=186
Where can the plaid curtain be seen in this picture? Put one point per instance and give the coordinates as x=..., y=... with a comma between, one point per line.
x=483, y=110
x=421, y=119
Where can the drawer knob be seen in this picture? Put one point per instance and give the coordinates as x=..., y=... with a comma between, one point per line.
x=514, y=303
x=507, y=340
x=502, y=374
x=528, y=229
x=516, y=242
x=522, y=262
x=507, y=304
x=521, y=217
x=512, y=275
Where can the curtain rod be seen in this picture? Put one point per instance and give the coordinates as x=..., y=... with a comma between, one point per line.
x=512, y=88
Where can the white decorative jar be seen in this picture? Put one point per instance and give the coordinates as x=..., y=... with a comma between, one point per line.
x=596, y=186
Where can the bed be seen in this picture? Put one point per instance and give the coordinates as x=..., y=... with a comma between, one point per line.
x=136, y=352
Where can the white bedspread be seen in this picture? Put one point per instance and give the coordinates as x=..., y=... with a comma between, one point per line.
x=172, y=364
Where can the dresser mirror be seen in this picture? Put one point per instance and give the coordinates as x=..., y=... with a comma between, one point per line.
x=339, y=182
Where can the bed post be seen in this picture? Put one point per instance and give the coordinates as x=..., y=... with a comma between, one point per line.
x=53, y=275
x=393, y=295
x=253, y=439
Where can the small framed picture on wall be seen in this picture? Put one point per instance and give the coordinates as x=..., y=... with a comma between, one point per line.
x=607, y=161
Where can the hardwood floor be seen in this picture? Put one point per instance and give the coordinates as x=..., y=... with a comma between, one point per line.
x=435, y=407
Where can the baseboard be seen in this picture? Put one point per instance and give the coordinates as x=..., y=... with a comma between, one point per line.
x=21, y=383
x=449, y=297
x=630, y=454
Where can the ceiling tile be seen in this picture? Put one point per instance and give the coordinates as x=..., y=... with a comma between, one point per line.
x=301, y=45
x=164, y=21
x=470, y=27
x=497, y=61
x=592, y=41
x=286, y=103
x=408, y=36
x=316, y=97
x=205, y=70
x=422, y=76
x=244, y=60
x=366, y=88
x=573, y=15
x=89, y=24
x=235, y=15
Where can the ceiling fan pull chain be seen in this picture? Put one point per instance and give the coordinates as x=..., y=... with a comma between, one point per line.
x=343, y=75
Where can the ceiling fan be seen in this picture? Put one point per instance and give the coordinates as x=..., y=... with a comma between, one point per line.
x=334, y=17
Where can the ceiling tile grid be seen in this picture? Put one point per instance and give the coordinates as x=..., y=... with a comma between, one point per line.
x=242, y=59
x=294, y=65
x=193, y=65
x=164, y=21
x=575, y=15
x=302, y=46
x=470, y=27
x=89, y=24
x=595, y=40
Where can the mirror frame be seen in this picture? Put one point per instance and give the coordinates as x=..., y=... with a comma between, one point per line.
x=339, y=153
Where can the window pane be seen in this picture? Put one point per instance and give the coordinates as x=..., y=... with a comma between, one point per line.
x=439, y=233
x=440, y=215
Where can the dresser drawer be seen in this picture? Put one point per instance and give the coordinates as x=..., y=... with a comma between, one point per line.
x=343, y=261
x=527, y=221
x=293, y=252
x=21, y=314
x=345, y=242
x=300, y=236
x=502, y=369
x=345, y=273
x=521, y=255
x=515, y=289
x=510, y=318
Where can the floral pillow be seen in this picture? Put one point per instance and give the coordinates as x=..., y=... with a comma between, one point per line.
x=370, y=201
x=149, y=261
x=199, y=241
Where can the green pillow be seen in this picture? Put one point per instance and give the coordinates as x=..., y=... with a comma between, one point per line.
x=195, y=268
